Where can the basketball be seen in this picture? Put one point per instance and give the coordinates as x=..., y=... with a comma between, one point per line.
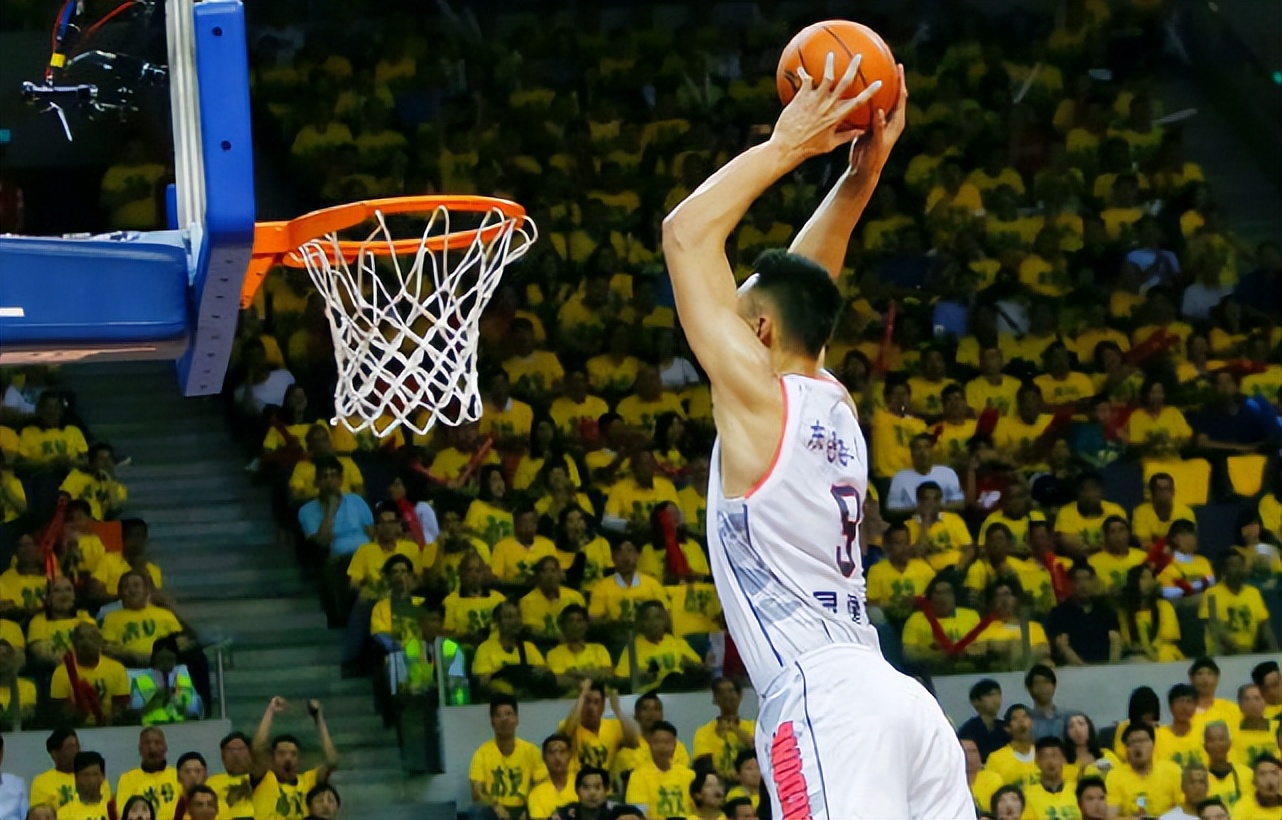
x=809, y=49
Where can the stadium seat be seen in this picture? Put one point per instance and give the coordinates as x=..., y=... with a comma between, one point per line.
x=1124, y=484
x=1246, y=474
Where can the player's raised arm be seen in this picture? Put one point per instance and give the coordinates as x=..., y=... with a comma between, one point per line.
x=826, y=234
x=695, y=233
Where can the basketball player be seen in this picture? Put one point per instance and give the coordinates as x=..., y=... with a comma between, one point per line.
x=840, y=733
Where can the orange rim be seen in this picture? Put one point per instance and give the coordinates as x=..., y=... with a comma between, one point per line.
x=277, y=243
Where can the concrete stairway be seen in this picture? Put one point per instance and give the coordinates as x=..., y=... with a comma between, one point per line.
x=213, y=535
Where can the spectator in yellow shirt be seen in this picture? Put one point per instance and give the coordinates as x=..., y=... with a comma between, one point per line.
x=106, y=677
x=558, y=789
x=1019, y=436
x=895, y=583
x=727, y=736
x=893, y=429
x=920, y=643
x=131, y=630
x=595, y=739
x=1116, y=558
x=506, y=662
x=515, y=557
x=469, y=612
x=1052, y=795
x=576, y=411
x=320, y=445
x=541, y=608
x=615, y=371
x=1080, y=525
x=1062, y=386
x=505, y=419
x=1237, y=619
x=648, y=402
x=941, y=537
x=97, y=484
x=574, y=659
x=584, y=317
x=535, y=374
x=660, y=655
x=50, y=443
x=488, y=517
x=662, y=787
x=1156, y=429
x=633, y=499
x=504, y=770
x=992, y=388
x=1265, y=802
x=23, y=586
x=1153, y=518
x=365, y=572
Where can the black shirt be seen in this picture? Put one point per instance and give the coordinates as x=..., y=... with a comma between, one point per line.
x=988, y=740
x=1087, y=631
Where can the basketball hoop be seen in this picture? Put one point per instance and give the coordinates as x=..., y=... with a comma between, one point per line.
x=404, y=305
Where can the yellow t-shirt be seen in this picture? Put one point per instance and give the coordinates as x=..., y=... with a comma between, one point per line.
x=534, y=374
x=661, y=794
x=506, y=779
x=1112, y=569
x=694, y=509
x=1233, y=786
x=1089, y=528
x=57, y=789
x=926, y=399
x=891, y=436
x=999, y=632
x=981, y=394
x=1168, y=429
x=597, y=749
x=228, y=809
x=489, y=523
x=24, y=591
x=1160, y=788
x=1250, y=744
x=109, y=679
x=652, y=560
x=11, y=631
x=274, y=800
x=1242, y=614
x=527, y=472
x=1018, y=526
x=137, y=630
x=448, y=464
x=1073, y=388
x=26, y=695
x=1014, y=769
x=1013, y=437
x=1179, y=750
x=513, y=563
x=629, y=759
x=57, y=632
x=944, y=539
x=471, y=615
x=76, y=810
x=890, y=588
x=366, y=567
x=643, y=414
x=160, y=789
x=98, y=493
x=13, y=486
x=985, y=786
x=302, y=481
x=630, y=501
x=951, y=443
x=546, y=798
x=694, y=608
x=610, y=376
x=513, y=420
x=41, y=446
x=112, y=567
x=1148, y=526
x=917, y=629
x=1040, y=804
x=611, y=601
x=491, y=657
x=1248, y=809
x=723, y=749
x=664, y=657
x=400, y=623
x=568, y=415
x=539, y=614
x=562, y=659
x=1176, y=571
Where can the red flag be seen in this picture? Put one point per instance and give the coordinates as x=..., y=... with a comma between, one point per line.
x=945, y=643
x=677, y=563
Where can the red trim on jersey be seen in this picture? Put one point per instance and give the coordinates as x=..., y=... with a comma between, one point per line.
x=789, y=775
x=783, y=434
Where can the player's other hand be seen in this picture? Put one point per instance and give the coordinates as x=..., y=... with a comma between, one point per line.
x=809, y=125
x=871, y=149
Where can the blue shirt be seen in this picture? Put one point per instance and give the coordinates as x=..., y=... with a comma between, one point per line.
x=350, y=521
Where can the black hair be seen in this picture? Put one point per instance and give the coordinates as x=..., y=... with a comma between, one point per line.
x=700, y=779
x=542, y=562
x=648, y=696
x=397, y=559
x=1156, y=477
x=1143, y=702
x=997, y=525
x=623, y=810
x=503, y=699
x=279, y=739
x=483, y=491
x=571, y=609
x=1203, y=663
x=716, y=682
x=555, y=737
x=983, y=688
x=1002, y=792
x=1262, y=670
x=1181, y=526
x=79, y=505
x=1091, y=782
x=663, y=726
x=327, y=463
x=893, y=528
x=387, y=507
x=807, y=299
x=949, y=576
x=588, y=771
x=1266, y=758
x=138, y=800
x=1039, y=670
x=1013, y=708
x=1092, y=739
x=1048, y=742
x=85, y=760
x=319, y=789
x=927, y=486
x=731, y=807
x=189, y=756
x=743, y=757
x=58, y=737
x=1132, y=728
x=97, y=448
x=222, y=744
x=201, y=788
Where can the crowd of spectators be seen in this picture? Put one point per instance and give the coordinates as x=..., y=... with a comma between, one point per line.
x=1066, y=362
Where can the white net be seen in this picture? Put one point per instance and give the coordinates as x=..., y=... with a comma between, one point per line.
x=405, y=322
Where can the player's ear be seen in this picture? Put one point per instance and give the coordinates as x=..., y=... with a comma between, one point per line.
x=764, y=327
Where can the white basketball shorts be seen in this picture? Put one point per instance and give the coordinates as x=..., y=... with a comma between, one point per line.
x=842, y=735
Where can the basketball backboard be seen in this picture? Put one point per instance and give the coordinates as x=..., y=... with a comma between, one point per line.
x=171, y=294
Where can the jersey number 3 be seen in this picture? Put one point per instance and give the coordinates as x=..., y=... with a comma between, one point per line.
x=852, y=512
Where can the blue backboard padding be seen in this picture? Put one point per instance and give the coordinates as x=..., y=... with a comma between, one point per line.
x=222, y=70
x=93, y=290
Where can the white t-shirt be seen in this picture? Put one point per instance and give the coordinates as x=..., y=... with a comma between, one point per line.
x=270, y=391
x=678, y=375
x=903, y=487
x=1199, y=299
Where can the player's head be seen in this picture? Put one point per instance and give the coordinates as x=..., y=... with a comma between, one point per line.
x=790, y=302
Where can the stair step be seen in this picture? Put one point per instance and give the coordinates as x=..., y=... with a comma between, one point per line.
x=254, y=659
x=266, y=609
x=201, y=511
x=215, y=533
x=182, y=558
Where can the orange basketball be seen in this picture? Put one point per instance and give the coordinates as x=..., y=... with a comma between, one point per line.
x=844, y=39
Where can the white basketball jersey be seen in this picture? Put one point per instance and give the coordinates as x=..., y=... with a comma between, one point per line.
x=785, y=556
